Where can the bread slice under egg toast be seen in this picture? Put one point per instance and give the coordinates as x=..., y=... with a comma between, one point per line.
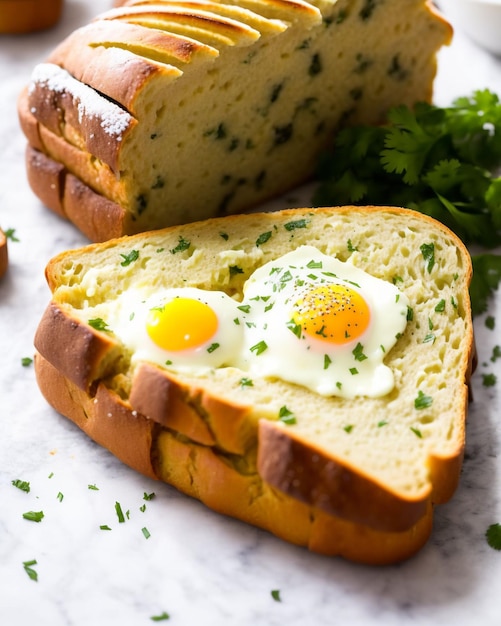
x=357, y=476
x=160, y=113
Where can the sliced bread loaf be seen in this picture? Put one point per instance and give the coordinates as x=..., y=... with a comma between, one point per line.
x=366, y=470
x=160, y=113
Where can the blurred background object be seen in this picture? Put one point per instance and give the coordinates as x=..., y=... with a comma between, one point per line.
x=479, y=19
x=26, y=16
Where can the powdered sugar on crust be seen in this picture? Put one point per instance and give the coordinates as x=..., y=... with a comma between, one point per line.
x=113, y=119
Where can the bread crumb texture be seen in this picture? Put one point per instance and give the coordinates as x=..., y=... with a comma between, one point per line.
x=408, y=443
x=180, y=110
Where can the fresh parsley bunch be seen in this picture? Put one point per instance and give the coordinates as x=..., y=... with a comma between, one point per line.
x=439, y=161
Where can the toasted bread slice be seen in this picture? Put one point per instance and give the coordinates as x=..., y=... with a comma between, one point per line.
x=364, y=464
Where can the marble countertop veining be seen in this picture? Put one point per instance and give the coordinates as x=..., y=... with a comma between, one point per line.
x=199, y=567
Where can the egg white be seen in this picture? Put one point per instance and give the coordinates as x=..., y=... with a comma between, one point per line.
x=271, y=349
x=127, y=318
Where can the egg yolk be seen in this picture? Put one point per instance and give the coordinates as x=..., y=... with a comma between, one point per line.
x=332, y=313
x=181, y=324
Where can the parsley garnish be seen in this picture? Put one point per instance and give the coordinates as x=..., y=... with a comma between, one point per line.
x=28, y=568
x=496, y=353
x=348, y=428
x=98, y=324
x=303, y=223
x=440, y=307
x=442, y=162
x=417, y=432
x=259, y=348
x=120, y=515
x=10, y=234
x=351, y=247
x=212, y=347
x=358, y=352
x=129, y=258
x=327, y=361
x=104, y=527
x=93, y=487
x=493, y=536
x=428, y=252
x=235, y=269
x=490, y=322
x=422, y=401
x=23, y=485
x=489, y=380
x=160, y=618
x=26, y=361
x=246, y=382
x=34, y=516
x=275, y=594
x=286, y=416
x=263, y=238
x=146, y=533
x=182, y=245
x=148, y=496
x=296, y=329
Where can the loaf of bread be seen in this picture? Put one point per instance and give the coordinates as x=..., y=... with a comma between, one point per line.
x=4, y=253
x=161, y=113
x=19, y=17
x=345, y=474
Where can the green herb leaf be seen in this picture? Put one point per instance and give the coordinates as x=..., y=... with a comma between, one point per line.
x=428, y=252
x=146, y=533
x=286, y=416
x=160, y=618
x=28, y=568
x=263, y=238
x=417, y=432
x=358, y=352
x=23, y=485
x=275, y=594
x=490, y=322
x=213, y=347
x=422, y=401
x=493, y=536
x=246, y=382
x=98, y=324
x=26, y=361
x=119, y=512
x=259, y=347
x=104, y=527
x=34, y=516
x=148, y=496
x=93, y=487
x=129, y=258
x=489, y=380
x=294, y=225
x=182, y=245
x=486, y=277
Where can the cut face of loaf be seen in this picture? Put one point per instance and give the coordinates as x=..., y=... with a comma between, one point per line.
x=376, y=462
x=175, y=111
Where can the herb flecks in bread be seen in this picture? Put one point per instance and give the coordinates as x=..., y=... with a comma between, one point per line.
x=269, y=452
x=226, y=104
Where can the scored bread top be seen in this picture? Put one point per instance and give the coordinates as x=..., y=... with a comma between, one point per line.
x=402, y=450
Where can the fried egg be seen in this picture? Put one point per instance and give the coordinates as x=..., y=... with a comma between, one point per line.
x=184, y=328
x=313, y=320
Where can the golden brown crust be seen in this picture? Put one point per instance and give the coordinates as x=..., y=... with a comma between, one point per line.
x=104, y=417
x=79, y=352
x=4, y=253
x=200, y=472
x=300, y=470
x=25, y=16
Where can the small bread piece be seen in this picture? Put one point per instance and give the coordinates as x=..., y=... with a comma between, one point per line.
x=26, y=16
x=174, y=111
x=4, y=253
x=211, y=435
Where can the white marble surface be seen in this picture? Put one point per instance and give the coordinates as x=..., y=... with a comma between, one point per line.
x=199, y=567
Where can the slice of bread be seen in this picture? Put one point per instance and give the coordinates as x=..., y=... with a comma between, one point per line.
x=160, y=113
x=353, y=476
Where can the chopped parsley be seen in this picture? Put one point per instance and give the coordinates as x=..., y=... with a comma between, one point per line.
x=294, y=225
x=348, y=428
x=286, y=416
x=327, y=361
x=148, y=496
x=23, y=485
x=417, y=432
x=358, y=352
x=275, y=594
x=259, y=347
x=422, y=401
x=34, y=516
x=146, y=533
x=489, y=380
x=428, y=252
x=104, y=527
x=246, y=382
x=496, y=353
x=296, y=329
x=263, y=238
x=60, y=497
x=493, y=536
x=490, y=322
x=440, y=307
x=98, y=323
x=353, y=371
x=93, y=487
x=26, y=361
x=10, y=234
x=212, y=347
x=182, y=245
x=129, y=258
x=119, y=512
x=28, y=568
x=160, y=618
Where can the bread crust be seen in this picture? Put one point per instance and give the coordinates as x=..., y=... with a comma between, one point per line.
x=198, y=471
x=4, y=253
